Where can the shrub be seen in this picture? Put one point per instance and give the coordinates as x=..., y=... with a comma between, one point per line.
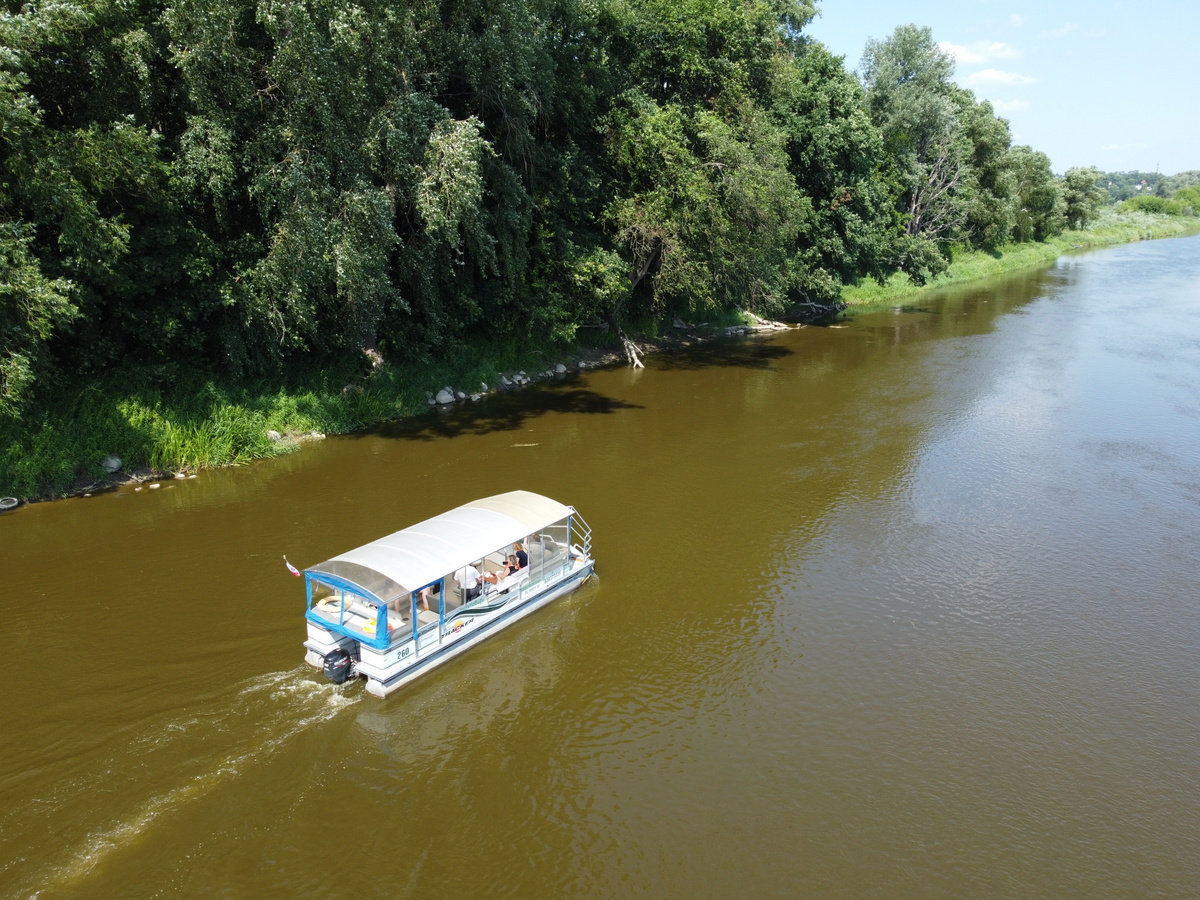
x=1148, y=203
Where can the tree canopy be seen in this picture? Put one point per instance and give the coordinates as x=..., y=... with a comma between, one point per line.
x=244, y=184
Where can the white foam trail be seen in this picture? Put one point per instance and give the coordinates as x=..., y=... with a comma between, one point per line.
x=295, y=701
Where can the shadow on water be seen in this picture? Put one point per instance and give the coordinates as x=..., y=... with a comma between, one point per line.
x=721, y=353
x=511, y=411
x=501, y=412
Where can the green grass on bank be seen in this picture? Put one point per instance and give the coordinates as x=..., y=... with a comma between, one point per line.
x=170, y=420
x=1111, y=228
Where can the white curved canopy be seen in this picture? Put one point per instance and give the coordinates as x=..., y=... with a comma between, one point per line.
x=423, y=553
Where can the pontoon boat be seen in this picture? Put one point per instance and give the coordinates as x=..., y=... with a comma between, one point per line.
x=460, y=577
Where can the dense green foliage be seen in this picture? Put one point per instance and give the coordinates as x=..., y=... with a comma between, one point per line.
x=1082, y=196
x=1183, y=202
x=236, y=192
x=1040, y=210
x=1169, y=185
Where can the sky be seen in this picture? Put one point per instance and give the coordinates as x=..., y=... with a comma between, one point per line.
x=1113, y=84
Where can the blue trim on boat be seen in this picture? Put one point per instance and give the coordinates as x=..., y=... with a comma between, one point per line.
x=379, y=642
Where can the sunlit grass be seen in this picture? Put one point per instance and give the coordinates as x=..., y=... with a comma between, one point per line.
x=172, y=421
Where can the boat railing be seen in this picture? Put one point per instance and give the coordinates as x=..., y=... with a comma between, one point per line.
x=582, y=532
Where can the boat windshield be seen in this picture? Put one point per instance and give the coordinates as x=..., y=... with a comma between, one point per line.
x=370, y=580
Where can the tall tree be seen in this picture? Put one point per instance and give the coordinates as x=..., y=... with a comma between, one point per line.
x=988, y=197
x=705, y=209
x=835, y=154
x=1082, y=195
x=911, y=99
x=1040, y=211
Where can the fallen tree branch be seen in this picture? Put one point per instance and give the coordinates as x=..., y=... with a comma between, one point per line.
x=631, y=351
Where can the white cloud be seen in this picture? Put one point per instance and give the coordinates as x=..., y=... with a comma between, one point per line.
x=1061, y=32
x=997, y=77
x=1016, y=21
x=1007, y=106
x=980, y=51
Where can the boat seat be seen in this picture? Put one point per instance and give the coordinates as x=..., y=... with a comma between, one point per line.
x=508, y=583
x=426, y=616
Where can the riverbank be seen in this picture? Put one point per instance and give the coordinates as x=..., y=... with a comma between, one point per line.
x=162, y=422
x=147, y=424
x=1110, y=228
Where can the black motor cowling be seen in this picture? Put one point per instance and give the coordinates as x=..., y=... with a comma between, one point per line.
x=337, y=666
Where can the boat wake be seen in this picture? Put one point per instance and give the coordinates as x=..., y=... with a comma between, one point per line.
x=263, y=716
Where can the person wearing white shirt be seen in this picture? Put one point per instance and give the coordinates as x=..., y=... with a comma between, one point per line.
x=468, y=579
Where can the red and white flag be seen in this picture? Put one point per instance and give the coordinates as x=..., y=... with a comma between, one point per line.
x=291, y=568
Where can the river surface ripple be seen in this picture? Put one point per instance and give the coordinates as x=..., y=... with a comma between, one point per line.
x=905, y=607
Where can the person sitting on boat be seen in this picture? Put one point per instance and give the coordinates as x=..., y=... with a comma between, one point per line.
x=506, y=568
x=521, y=555
x=468, y=579
x=430, y=593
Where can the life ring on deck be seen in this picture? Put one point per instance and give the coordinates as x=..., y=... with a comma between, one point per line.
x=331, y=606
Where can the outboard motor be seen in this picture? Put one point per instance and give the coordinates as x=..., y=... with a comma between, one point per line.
x=337, y=666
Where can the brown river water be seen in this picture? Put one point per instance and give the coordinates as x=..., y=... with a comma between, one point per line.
x=908, y=607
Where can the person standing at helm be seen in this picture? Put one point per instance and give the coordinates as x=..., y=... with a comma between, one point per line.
x=468, y=579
